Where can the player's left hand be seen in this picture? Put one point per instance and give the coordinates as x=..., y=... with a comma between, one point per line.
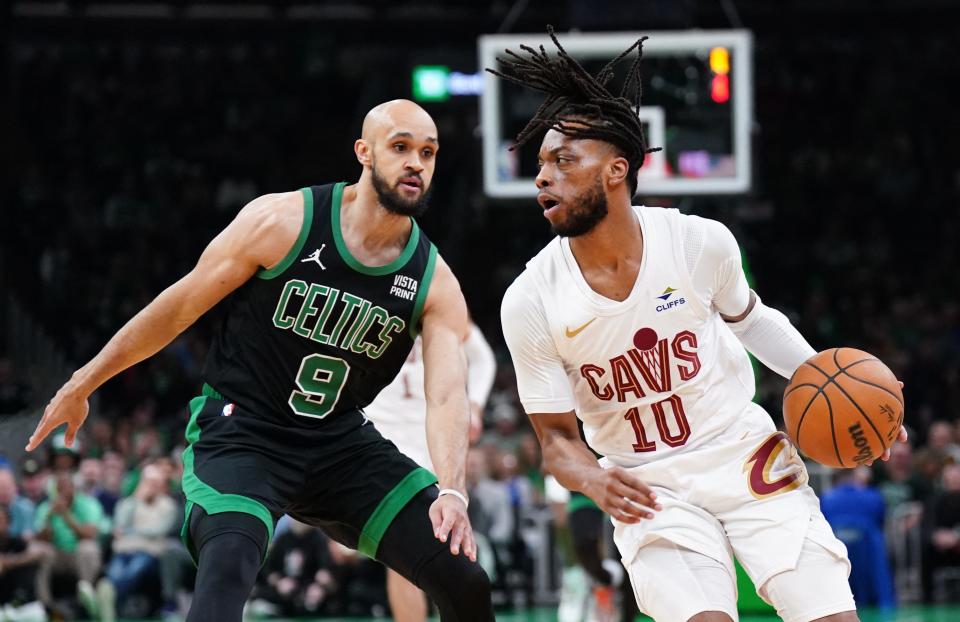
x=451, y=523
x=902, y=437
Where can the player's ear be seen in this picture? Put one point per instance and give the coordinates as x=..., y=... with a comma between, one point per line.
x=617, y=171
x=363, y=149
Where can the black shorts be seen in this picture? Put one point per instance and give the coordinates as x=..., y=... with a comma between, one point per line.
x=343, y=476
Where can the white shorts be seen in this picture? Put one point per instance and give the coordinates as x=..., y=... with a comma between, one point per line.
x=673, y=584
x=745, y=494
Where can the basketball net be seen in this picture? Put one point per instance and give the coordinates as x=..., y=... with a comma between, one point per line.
x=651, y=358
x=651, y=365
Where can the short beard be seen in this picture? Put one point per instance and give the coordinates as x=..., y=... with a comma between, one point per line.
x=393, y=202
x=584, y=212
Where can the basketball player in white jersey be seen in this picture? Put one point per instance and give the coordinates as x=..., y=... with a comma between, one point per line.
x=399, y=413
x=635, y=320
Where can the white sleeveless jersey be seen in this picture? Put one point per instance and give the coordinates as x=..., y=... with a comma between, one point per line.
x=657, y=374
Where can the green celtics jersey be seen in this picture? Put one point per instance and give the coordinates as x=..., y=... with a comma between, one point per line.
x=320, y=333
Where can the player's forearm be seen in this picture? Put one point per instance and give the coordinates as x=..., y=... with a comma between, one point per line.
x=768, y=335
x=144, y=335
x=570, y=461
x=448, y=429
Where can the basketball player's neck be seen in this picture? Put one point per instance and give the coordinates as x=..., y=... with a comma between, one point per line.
x=365, y=224
x=609, y=255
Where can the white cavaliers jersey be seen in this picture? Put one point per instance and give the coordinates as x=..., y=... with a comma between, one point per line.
x=663, y=387
x=656, y=374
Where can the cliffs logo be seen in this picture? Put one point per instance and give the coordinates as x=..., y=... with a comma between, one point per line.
x=667, y=302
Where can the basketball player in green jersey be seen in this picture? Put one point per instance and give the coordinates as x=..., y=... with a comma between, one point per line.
x=328, y=288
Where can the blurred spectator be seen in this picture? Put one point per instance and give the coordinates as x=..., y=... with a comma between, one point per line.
x=14, y=394
x=530, y=461
x=491, y=513
x=91, y=482
x=33, y=480
x=17, y=564
x=899, y=483
x=20, y=508
x=296, y=579
x=856, y=512
x=64, y=459
x=66, y=528
x=361, y=581
x=98, y=433
x=114, y=471
x=506, y=469
x=943, y=519
x=141, y=526
x=939, y=451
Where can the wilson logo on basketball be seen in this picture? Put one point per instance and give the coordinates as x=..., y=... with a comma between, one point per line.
x=864, y=454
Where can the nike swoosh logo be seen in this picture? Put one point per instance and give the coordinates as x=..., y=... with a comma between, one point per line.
x=573, y=333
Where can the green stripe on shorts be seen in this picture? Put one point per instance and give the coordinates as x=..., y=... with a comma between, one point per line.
x=390, y=506
x=204, y=495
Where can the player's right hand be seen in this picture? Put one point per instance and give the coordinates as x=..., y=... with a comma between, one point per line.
x=450, y=521
x=67, y=406
x=622, y=495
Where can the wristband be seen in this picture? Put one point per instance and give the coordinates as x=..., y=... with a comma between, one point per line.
x=455, y=493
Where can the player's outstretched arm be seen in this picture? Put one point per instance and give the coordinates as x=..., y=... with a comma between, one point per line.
x=260, y=236
x=618, y=492
x=481, y=371
x=445, y=327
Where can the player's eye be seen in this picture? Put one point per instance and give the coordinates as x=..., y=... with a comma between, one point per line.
x=400, y=147
x=428, y=153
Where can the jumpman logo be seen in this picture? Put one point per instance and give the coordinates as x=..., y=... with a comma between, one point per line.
x=315, y=256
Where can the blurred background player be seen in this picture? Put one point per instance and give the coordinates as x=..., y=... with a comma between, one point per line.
x=399, y=413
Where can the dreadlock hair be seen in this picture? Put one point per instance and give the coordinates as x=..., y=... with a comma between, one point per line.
x=578, y=104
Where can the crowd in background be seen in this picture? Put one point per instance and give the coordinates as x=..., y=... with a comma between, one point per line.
x=98, y=526
x=137, y=157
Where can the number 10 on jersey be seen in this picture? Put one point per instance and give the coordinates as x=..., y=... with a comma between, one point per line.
x=672, y=439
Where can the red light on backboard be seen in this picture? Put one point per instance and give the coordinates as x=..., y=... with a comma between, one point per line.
x=720, y=88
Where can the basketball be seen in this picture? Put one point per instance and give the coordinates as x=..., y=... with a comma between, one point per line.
x=843, y=407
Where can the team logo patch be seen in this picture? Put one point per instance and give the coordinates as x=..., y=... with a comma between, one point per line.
x=667, y=302
x=227, y=410
x=762, y=480
x=315, y=257
x=666, y=293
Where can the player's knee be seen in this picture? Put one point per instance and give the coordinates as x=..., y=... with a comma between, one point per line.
x=457, y=584
x=711, y=616
x=817, y=572
x=229, y=559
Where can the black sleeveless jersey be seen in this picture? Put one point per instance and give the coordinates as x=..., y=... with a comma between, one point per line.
x=320, y=333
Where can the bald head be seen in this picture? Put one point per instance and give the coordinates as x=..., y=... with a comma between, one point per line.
x=398, y=115
x=397, y=150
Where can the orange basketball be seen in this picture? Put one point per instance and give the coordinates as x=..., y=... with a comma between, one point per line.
x=843, y=407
